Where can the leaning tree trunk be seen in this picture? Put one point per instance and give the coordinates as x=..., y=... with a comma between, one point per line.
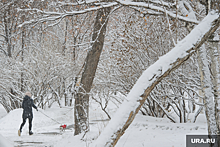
x=151, y=77
x=81, y=111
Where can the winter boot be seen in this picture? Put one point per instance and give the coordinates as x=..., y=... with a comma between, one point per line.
x=31, y=133
x=19, y=132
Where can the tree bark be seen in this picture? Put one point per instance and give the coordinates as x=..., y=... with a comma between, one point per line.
x=7, y=32
x=22, y=58
x=81, y=111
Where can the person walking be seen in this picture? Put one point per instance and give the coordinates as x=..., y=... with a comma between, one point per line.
x=27, y=105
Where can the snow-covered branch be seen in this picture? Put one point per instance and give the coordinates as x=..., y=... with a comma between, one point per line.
x=53, y=16
x=166, y=4
x=152, y=76
x=151, y=9
x=76, y=4
x=157, y=9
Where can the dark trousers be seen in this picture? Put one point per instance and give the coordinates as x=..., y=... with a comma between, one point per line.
x=24, y=121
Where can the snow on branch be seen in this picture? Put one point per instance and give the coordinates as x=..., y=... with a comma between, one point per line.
x=6, y=5
x=58, y=16
x=158, y=9
x=151, y=9
x=152, y=76
x=89, y=2
x=54, y=16
x=77, y=3
x=162, y=3
x=149, y=12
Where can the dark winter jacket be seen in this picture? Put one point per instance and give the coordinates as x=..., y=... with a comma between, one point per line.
x=27, y=105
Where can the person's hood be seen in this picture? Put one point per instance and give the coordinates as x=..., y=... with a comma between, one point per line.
x=26, y=98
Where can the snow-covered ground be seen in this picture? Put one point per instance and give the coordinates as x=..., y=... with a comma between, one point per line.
x=157, y=132
x=145, y=131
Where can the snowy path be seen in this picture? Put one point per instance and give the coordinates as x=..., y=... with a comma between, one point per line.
x=46, y=131
x=37, y=140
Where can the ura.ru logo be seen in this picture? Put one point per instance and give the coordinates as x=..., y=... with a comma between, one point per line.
x=201, y=140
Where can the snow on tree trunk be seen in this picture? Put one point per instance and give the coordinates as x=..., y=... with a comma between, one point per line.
x=81, y=109
x=209, y=100
x=152, y=76
x=213, y=44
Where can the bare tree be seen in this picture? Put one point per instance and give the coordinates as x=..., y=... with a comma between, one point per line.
x=81, y=111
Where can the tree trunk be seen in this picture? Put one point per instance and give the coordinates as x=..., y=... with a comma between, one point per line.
x=209, y=99
x=81, y=111
x=213, y=44
x=7, y=33
x=22, y=59
x=209, y=86
x=208, y=89
x=65, y=37
x=152, y=76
